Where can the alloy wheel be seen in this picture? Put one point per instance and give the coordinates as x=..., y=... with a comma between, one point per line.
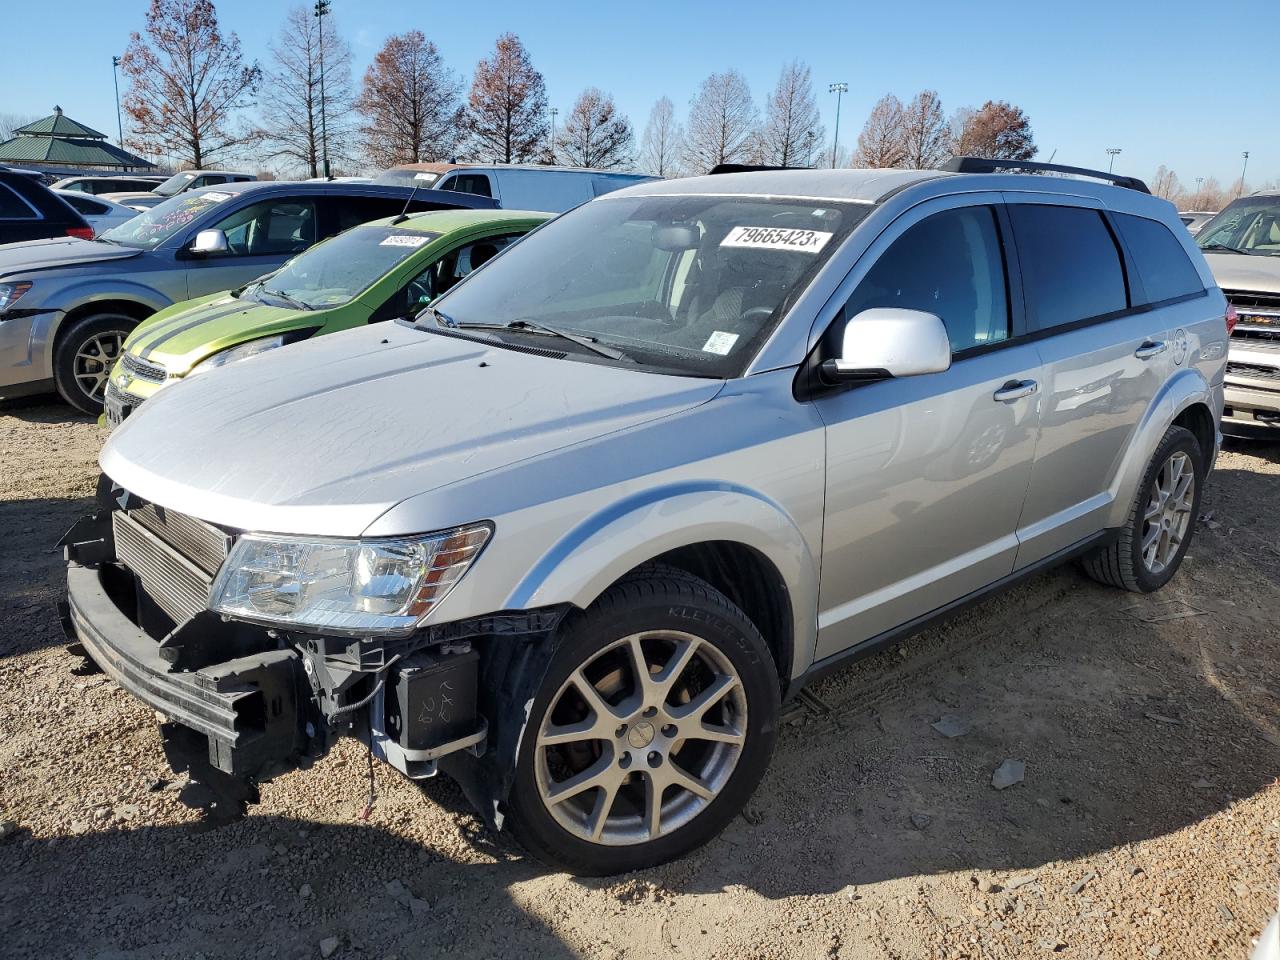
x=640, y=738
x=94, y=360
x=1168, y=513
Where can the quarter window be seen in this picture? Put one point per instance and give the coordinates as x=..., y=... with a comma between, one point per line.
x=1161, y=261
x=1070, y=264
x=950, y=264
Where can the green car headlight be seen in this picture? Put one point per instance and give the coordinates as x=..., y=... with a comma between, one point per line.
x=240, y=351
x=349, y=587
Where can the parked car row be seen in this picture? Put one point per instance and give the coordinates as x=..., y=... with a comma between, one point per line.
x=607, y=487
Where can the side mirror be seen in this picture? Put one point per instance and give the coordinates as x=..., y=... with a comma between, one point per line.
x=890, y=342
x=210, y=241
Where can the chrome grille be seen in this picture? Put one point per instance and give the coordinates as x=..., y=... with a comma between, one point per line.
x=178, y=586
x=201, y=543
x=142, y=369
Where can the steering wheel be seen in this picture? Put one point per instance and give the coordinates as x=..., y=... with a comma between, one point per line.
x=756, y=314
x=418, y=294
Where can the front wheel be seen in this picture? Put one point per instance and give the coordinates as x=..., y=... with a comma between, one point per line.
x=653, y=726
x=1149, y=549
x=85, y=354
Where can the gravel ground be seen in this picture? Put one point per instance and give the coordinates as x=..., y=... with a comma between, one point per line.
x=1146, y=824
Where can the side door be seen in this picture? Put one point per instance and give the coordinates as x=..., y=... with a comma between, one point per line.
x=926, y=476
x=260, y=236
x=1104, y=356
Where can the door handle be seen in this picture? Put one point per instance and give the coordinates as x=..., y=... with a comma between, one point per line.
x=1150, y=348
x=1015, y=390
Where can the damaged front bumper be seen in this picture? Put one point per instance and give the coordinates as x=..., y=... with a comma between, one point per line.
x=244, y=703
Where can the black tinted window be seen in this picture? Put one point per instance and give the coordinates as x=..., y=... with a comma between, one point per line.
x=13, y=207
x=951, y=265
x=1163, y=265
x=353, y=211
x=1070, y=264
x=476, y=183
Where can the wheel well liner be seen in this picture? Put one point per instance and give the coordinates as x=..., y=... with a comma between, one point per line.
x=1199, y=420
x=131, y=308
x=751, y=582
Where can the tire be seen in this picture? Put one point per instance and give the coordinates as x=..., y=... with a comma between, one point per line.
x=1124, y=563
x=698, y=640
x=80, y=373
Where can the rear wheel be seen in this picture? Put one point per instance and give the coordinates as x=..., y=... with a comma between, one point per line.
x=654, y=724
x=1149, y=550
x=85, y=354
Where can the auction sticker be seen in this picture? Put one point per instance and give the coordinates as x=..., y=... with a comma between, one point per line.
x=214, y=195
x=403, y=240
x=720, y=343
x=773, y=238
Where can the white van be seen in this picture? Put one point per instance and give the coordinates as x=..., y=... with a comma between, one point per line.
x=515, y=186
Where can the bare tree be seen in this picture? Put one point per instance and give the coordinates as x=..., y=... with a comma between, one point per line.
x=411, y=103
x=1211, y=195
x=11, y=122
x=507, y=112
x=1166, y=185
x=291, y=125
x=595, y=134
x=722, y=122
x=880, y=144
x=792, y=123
x=186, y=82
x=997, y=130
x=926, y=136
x=663, y=140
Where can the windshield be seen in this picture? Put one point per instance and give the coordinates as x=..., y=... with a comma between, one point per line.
x=339, y=270
x=174, y=185
x=422, y=179
x=690, y=284
x=152, y=227
x=1250, y=225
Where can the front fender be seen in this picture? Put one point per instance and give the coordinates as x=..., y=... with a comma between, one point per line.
x=1185, y=388
x=606, y=545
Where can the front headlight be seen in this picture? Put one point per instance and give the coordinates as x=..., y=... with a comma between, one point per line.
x=239, y=352
x=354, y=587
x=11, y=293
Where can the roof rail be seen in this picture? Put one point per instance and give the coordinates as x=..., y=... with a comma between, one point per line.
x=985, y=165
x=747, y=168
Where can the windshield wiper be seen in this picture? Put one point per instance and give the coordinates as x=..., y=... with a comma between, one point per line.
x=1226, y=246
x=292, y=301
x=588, y=342
x=441, y=318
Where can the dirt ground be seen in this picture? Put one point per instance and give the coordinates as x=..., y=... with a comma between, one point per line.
x=1147, y=823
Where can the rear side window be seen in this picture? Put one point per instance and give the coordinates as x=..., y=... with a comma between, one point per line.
x=950, y=264
x=13, y=207
x=85, y=205
x=1071, y=267
x=1163, y=265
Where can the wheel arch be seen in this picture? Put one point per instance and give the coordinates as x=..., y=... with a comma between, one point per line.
x=741, y=542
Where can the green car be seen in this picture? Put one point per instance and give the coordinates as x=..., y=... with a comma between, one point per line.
x=377, y=271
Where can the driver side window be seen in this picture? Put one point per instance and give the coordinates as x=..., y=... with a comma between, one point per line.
x=440, y=275
x=950, y=264
x=270, y=228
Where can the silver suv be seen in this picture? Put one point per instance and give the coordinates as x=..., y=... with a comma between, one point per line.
x=576, y=533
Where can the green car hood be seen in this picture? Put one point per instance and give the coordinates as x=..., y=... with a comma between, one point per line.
x=181, y=336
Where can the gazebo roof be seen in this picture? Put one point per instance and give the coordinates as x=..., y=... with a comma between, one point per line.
x=57, y=139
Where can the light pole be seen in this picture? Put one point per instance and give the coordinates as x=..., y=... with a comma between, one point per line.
x=1196, y=199
x=839, y=89
x=554, y=111
x=115, y=76
x=1242, y=172
x=1112, y=152
x=322, y=8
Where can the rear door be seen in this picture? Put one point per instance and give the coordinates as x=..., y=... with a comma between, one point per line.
x=926, y=476
x=1104, y=358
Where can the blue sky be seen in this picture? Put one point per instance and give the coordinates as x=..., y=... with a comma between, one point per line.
x=1135, y=75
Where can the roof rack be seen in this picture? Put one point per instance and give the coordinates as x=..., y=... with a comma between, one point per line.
x=985, y=165
x=747, y=168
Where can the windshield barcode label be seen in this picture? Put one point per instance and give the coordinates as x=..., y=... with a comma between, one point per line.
x=772, y=238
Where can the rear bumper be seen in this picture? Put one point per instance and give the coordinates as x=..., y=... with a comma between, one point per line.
x=248, y=708
x=1251, y=408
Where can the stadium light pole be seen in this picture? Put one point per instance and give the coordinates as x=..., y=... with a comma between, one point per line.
x=322, y=8
x=115, y=76
x=1112, y=152
x=1242, y=172
x=839, y=89
x=554, y=111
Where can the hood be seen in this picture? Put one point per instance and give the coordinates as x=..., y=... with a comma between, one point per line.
x=324, y=436
x=179, y=338
x=36, y=255
x=1239, y=271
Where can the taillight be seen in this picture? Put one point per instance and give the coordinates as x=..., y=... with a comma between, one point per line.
x=82, y=233
x=1232, y=318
